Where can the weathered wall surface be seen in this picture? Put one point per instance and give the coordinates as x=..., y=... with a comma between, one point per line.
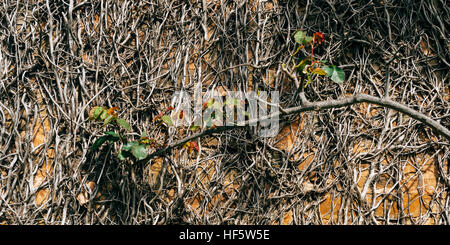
x=358, y=165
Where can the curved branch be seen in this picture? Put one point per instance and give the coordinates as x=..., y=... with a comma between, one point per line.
x=320, y=105
x=386, y=102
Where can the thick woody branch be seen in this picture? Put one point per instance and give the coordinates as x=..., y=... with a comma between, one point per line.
x=319, y=105
x=359, y=98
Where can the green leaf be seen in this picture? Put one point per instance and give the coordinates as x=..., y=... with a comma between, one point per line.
x=336, y=74
x=104, y=114
x=309, y=80
x=109, y=136
x=99, y=142
x=308, y=39
x=301, y=38
x=120, y=156
x=194, y=127
x=129, y=145
x=167, y=120
x=96, y=112
x=139, y=151
x=109, y=118
x=123, y=123
x=301, y=65
x=123, y=155
x=113, y=134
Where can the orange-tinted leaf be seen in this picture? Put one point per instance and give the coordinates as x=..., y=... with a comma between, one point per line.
x=158, y=117
x=208, y=103
x=113, y=111
x=318, y=71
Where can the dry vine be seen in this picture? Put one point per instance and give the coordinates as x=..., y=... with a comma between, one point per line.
x=358, y=164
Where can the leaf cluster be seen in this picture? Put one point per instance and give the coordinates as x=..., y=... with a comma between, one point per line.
x=308, y=66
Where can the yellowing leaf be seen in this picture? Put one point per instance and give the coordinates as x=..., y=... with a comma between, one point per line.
x=318, y=71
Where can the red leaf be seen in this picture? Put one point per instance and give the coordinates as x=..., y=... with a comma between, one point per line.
x=195, y=146
x=190, y=146
x=181, y=114
x=205, y=105
x=318, y=37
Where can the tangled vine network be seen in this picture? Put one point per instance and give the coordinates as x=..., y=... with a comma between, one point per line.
x=358, y=163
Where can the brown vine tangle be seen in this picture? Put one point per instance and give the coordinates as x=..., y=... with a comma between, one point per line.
x=361, y=164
